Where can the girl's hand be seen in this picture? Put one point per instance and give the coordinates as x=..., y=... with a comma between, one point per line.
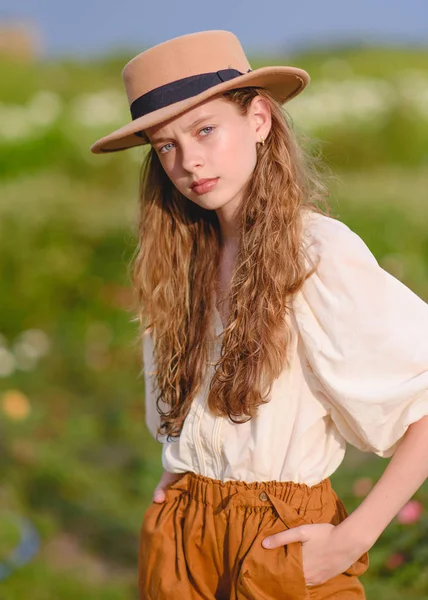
x=166, y=480
x=326, y=552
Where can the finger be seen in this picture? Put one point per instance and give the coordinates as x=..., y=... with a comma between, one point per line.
x=295, y=534
x=166, y=480
x=159, y=495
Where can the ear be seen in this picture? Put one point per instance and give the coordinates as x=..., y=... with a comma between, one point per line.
x=260, y=117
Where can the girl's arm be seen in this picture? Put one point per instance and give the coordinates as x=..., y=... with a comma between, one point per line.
x=329, y=550
x=365, y=336
x=405, y=473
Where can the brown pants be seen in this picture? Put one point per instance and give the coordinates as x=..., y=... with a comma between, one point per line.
x=204, y=542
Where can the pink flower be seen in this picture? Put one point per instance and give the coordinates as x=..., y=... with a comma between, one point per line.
x=394, y=561
x=410, y=513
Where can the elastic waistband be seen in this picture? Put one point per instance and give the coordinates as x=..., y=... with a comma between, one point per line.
x=217, y=493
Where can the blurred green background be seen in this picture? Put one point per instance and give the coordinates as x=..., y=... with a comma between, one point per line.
x=76, y=459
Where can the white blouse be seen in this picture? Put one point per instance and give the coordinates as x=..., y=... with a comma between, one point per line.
x=358, y=374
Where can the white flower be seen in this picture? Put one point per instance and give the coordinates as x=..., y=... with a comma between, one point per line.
x=21, y=122
x=32, y=344
x=44, y=108
x=14, y=123
x=102, y=108
x=346, y=103
x=7, y=362
x=25, y=358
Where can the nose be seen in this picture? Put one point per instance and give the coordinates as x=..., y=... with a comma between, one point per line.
x=191, y=157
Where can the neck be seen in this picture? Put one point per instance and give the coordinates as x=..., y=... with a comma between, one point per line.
x=229, y=218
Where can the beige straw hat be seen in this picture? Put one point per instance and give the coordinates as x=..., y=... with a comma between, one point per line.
x=172, y=77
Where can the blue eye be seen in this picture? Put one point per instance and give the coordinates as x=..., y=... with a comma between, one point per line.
x=202, y=132
x=165, y=148
x=209, y=129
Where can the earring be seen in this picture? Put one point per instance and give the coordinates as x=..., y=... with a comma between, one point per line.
x=262, y=140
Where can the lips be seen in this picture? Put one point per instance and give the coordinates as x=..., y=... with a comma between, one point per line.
x=200, y=182
x=203, y=185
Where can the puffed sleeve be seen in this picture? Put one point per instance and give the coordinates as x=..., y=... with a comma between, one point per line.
x=365, y=336
x=152, y=415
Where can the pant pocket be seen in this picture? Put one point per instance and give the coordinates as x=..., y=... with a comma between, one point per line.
x=161, y=565
x=148, y=582
x=270, y=574
x=333, y=512
x=344, y=585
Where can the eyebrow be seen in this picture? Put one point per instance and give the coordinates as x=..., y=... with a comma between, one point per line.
x=191, y=126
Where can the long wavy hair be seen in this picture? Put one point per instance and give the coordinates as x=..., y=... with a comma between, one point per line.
x=175, y=270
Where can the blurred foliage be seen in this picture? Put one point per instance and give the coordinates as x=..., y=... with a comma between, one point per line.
x=76, y=457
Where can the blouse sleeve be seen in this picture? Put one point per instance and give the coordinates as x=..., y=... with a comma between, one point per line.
x=365, y=336
x=152, y=415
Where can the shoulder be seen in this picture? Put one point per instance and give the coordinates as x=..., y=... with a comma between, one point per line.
x=326, y=238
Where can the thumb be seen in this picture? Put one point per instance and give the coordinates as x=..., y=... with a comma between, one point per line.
x=159, y=495
x=166, y=480
x=295, y=534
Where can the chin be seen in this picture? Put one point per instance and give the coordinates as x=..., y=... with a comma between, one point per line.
x=213, y=203
x=210, y=200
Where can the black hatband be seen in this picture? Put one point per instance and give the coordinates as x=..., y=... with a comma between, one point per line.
x=178, y=90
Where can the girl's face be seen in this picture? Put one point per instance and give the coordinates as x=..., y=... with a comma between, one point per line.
x=209, y=152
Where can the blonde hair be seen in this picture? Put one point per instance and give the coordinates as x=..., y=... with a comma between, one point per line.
x=175, y=271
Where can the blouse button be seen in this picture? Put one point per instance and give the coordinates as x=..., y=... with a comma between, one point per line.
x=263, y=496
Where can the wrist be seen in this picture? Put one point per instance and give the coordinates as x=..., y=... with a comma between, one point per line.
x=360, y=536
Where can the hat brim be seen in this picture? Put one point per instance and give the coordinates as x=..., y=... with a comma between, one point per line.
x=284, y=83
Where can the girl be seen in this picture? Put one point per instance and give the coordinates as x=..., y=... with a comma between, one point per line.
x=271, y=338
